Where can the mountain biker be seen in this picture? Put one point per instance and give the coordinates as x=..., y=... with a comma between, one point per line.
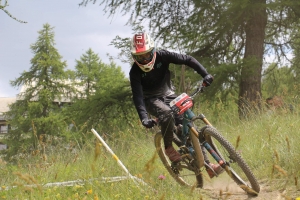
x=152, y=89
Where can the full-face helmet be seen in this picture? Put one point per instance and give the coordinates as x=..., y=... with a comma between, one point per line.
x=143, y=51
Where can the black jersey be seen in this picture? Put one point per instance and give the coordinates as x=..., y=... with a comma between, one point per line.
x=157, y=83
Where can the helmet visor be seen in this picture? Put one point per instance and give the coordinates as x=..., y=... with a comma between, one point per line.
x=145, y=57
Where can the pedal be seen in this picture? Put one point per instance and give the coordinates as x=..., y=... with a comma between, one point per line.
x=184, y=150
x=176, y=167
x=212, y=170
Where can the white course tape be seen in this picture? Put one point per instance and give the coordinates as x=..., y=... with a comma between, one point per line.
x=82, y=182
x=76, y=182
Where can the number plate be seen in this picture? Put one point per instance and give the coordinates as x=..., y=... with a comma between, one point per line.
x=181, y=103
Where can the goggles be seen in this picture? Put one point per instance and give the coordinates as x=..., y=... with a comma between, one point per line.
x=144, y=58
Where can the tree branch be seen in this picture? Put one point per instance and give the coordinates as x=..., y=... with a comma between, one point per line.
x=2, y=7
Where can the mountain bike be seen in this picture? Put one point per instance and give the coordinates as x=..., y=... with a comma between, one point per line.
x=194, y=144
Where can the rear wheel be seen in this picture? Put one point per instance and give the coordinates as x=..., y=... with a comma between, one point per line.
x=236, y=167
x=186, y=172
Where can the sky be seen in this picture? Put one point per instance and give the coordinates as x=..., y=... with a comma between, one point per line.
x=76, y=30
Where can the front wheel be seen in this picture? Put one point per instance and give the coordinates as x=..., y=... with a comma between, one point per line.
x=186, y=172
x=235, y=166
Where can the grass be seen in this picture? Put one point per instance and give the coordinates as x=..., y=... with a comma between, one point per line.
x=269, y=143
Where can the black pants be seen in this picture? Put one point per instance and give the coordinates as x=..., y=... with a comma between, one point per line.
x=159, y=107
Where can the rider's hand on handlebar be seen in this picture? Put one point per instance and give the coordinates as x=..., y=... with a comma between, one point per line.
x=208, y=79
x=149, y=123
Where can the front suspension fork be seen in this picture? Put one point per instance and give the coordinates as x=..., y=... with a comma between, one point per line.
x=207, y=143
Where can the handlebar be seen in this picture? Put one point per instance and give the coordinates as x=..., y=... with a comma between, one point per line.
x=186, y=101
x=199, y=89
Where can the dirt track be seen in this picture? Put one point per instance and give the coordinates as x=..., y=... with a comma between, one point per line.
x=226, y=189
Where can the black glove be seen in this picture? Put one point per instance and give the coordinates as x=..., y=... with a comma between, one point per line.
x=208, y=79
x=149, y=123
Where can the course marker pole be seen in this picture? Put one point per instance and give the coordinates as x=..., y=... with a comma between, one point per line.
x=117, y=159
x=82, y=182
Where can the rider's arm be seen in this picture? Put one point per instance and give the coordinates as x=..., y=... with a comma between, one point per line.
x=183, y=59
x=137, y=95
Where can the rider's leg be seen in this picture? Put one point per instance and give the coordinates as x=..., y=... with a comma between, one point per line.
x=167, y=100
x=214, y=169
x=178, y=122
x=158, y=108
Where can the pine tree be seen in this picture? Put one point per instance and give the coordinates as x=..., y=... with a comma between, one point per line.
x=278, y=81
x=88, y=71
x=35, y=116
x=232, y=33
x=104, y=94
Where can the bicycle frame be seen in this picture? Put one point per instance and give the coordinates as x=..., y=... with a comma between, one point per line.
x=192, y=144
x=188, y=128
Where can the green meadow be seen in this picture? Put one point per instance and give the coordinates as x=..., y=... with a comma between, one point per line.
x=269, y=142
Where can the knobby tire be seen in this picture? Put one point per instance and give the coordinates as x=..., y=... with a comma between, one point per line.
x=243, y=176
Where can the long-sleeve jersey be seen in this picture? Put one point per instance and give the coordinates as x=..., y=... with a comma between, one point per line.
x=157, y=83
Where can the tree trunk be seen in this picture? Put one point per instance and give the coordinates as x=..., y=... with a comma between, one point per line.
x=250, y=83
